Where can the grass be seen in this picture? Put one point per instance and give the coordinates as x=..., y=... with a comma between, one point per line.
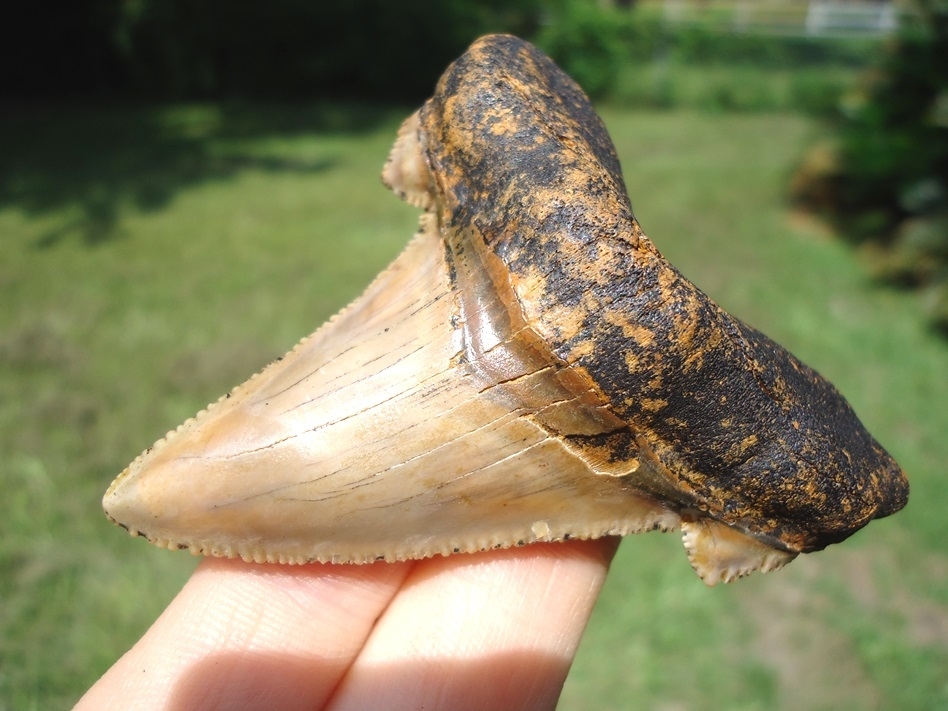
x=152, y=258
x=714, y=87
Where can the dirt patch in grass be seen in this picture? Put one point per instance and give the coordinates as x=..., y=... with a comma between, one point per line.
x=808, y=623
x=925, y=620
x=217, y=368
x=817, y=666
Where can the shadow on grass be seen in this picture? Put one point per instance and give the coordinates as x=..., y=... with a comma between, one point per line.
x=97, y=159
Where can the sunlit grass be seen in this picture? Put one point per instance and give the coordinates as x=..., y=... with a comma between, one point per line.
x=670, y=83
x=178, y=250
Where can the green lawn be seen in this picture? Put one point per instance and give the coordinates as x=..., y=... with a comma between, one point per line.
x=151, y=259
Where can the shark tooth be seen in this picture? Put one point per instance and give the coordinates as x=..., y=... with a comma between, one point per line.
x=376, y=439
x=530, y=368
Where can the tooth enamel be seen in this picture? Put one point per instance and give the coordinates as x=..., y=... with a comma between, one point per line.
x=721, y=554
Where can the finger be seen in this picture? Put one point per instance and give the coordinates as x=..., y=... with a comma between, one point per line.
x=251, y=636
x=495, y=630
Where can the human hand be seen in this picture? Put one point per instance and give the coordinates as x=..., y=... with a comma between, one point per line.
x=495, y=630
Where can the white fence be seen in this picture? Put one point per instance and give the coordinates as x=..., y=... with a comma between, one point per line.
x=866, y=18
x=815, y=18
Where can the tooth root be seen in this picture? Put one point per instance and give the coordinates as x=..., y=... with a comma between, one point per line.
x=372, y=440
x=719, y=553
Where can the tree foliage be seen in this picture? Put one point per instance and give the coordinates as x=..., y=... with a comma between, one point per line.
x=587, y=41
x=181, y=49
x=885, y=182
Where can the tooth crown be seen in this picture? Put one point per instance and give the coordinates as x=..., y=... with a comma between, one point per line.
x=530, y=368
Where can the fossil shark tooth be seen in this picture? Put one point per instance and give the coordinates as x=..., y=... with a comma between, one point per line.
x=529, y=369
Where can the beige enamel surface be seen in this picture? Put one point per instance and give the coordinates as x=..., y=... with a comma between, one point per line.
x=371, y=440
x=719, y=553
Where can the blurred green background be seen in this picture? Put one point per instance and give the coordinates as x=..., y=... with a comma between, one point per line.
x=186, y=189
